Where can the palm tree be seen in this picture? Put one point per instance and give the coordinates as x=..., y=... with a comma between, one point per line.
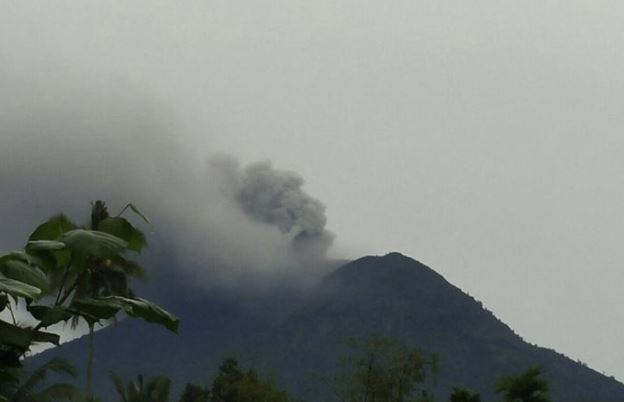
x=32, y=389
x=92, y=279
x=107, y=277
x=155, y=390
x=524, y=387
x=460, y=394
x=66, y=272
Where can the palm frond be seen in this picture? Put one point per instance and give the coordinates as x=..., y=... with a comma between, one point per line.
x=119, y=386
x=56, y=365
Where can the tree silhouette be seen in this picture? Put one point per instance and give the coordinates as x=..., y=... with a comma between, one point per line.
x=156, y=389
x=153, y=390
x=460, y=394
x=233, y=384
x=194, y=393
x=383, y=371
x=527, y=386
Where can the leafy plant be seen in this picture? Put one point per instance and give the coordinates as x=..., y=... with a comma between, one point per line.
x=66, y=273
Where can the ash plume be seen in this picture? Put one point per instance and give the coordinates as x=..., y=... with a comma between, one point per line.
x=276, y=197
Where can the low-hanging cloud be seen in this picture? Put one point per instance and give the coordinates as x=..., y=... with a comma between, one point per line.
x=220, y=222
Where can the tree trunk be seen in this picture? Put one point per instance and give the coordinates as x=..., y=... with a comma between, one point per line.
x=90, y=352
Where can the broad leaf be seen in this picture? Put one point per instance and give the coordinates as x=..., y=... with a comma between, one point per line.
x=53, y=229
x=124, y=230
x=20, y=271
x=107, y=307
x=137, y=211
x=94, y=310
x=19, y=289
x=4, y=301
x=150, y=312
x=44, y=245
x=51, y=255
x=50, y=315
x=46, y=337
x=93, y=242
x=23, y=337
x=50, y=261
x=130, y=268
x=20, y=255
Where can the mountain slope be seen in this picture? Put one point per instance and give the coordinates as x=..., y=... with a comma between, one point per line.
x=301, y=338
x=402, y=298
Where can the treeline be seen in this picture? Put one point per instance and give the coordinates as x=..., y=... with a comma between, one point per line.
x=68, y=273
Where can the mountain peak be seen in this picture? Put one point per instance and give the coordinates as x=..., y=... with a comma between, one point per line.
x=393, y=270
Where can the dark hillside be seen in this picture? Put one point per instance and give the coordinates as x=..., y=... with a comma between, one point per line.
x=300, y=339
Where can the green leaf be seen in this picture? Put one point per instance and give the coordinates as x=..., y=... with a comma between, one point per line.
x=94, y=310
x=20, y=271
x=46, y=337
x=4, y=301
x=124, y=230
x=136, y=211
x=8, y=375
x=93, y=242
x=130, y=268
x=150, y=312
x=23, y=337
x=19, y=289
x=50, y=315
x=20, y=255
x=44, y=245
x=107, y=307
x=52, y=229
x=48, y=261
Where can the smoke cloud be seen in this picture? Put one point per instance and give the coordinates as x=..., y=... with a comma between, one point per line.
x=276, y=197
x=217, y=222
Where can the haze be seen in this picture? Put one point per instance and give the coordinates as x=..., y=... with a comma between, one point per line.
x=483, y=138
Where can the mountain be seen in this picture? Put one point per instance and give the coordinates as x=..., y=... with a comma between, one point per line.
x=299, y=338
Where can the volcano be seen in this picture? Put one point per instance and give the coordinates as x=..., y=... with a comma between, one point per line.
x=297, y=337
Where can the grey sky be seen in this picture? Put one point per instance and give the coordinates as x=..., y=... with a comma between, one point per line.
x=483, y=138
